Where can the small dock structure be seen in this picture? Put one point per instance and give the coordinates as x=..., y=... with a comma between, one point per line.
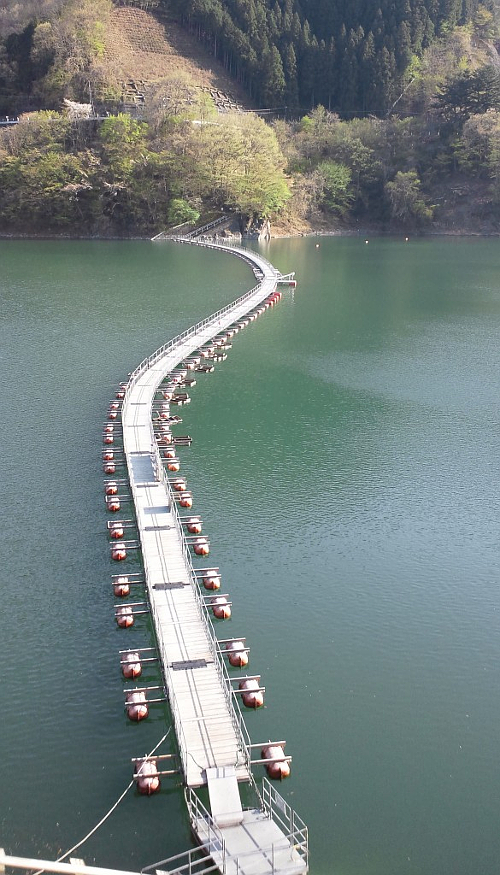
x=214, y=746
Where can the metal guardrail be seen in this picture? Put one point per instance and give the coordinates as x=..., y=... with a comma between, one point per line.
x=174, y=231
x=232, y=702
x=294, y=838
x=195, y=861
x=234, y=248
x=197, y=811
x=288, y=819
x=204, y=323
x=180, y=338
x=215, y=224
x=165, y=235
x=277, y=809
x=210, y=322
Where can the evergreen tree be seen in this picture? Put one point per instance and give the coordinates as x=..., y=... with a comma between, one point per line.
x=348, y=101
x=292, y=88
x=469, y=94
x=273, y=78
x=367, y=75
x=403, y=46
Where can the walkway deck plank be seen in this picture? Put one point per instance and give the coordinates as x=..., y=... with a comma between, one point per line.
x=208, y=725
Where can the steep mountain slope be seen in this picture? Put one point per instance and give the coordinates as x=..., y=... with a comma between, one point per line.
x=143, y=50
x=351, y=56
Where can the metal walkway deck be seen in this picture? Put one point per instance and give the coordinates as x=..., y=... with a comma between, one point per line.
x=211, y=734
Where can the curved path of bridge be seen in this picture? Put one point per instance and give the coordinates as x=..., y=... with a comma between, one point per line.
x=212, y=738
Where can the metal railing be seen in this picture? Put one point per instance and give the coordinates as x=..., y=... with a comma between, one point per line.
x=234, y=709
x=211, y=322
x=253, y=258
x=192, y=862
x=173, y=232
x=215, y=224
x=293, y=842
x=198, y=813
x=283, y=814
x=177, y=341
x=215, y=318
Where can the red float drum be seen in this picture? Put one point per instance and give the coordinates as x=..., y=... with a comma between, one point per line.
x=237, y=655
x=252, y=697
x=200, y=547
x=121, y=587
x=280, y=768
x=136, y=705
x=124, y=617
x=221, y=609
x=131, y=666
x=149, y=780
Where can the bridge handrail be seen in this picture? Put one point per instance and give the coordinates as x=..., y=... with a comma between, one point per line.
x=283, y=813
x=209, y=225
x=233, y=703
x=294, y=838
x=192, y=861
x=170, y=345
x=180, y=338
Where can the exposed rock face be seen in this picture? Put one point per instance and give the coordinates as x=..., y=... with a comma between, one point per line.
x=265, y=230
x=259, y=230
x=229, y=234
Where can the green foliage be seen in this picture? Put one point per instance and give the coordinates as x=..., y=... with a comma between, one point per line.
x=41, y=131
x=342, y=63
x=350, y=57
x=406, y=202
x=180, y=211
x=477, y=149
x=46, y=186
x=485, y=24
x=306, y=124
x=357, y=145
x=128, y=176
x=122, y=136
x=239, y=163
x=469, y=93
x=68, y=48
x=337, y=194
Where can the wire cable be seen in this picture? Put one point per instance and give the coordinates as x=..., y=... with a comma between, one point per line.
x=109, y=813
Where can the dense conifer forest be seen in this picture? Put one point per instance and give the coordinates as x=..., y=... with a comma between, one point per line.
x=348, y=55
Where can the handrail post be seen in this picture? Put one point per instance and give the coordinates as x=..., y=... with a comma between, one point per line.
x=176, y=350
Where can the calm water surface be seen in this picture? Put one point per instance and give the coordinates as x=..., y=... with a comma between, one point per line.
x=345, y=463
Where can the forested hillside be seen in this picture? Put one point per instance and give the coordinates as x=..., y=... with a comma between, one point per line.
x=128, y=123
x=348, y=55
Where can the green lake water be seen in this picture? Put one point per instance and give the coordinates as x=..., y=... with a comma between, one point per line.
x=345, y=462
